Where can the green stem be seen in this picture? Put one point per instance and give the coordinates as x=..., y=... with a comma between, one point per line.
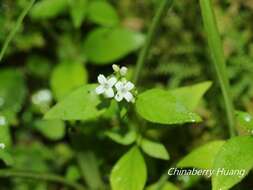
x=163, y=7
x=7, y=173
x=15, y=29
x=217, y=53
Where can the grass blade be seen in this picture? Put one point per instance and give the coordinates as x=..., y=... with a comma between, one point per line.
x=217, y=54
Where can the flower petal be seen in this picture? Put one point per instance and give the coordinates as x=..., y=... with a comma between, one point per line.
x=115, y=68
x=100, y=89
x=128, y=96
x=102, y=79
x=109, y=93
x=123, y=71
x=118, y=97
x=112, y=81
x=129, y=86
x=119, y=85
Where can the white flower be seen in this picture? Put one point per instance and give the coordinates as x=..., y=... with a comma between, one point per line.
x=123, y=91
x=123, y=71
x=2, y=146
x=43, y=96
x=105, y=86
x=115, y=68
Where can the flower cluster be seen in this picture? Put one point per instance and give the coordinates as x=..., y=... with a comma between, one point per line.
x=116, y=86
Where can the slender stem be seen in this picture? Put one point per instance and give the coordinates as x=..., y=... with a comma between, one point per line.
x=15, y=29
x=217, y=53
x=163, y=7
x=6, y=173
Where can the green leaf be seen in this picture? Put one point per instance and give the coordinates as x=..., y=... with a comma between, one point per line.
x=154, y=149
x=11, y=82
x=73, y=173
x=46, y=9
x=6, y=157
x=52, y=129
x=89, y=165
x=62, y=85
x=160, y=106
x=202, y=157
x=82, y=104
x=235, y=154
x=130, y=172
x=166, y=186
x=191, y=95
x=78, y=11
x=245, y=120
x=101, y=12
x=126, y=139
x=106, y=45
x=5, y=135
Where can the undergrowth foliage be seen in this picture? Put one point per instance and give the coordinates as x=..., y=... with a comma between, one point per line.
x=101, y=95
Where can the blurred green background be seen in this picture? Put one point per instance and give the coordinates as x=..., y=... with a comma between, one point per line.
x=63, y=44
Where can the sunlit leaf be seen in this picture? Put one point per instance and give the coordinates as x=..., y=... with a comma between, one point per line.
x=191, y=95
x=160, y=106
x=46, y=9
x=235, y=154
x=130, y=172
x=154, y=149
x=202, y=157
x=245, y=120
x=82, y=104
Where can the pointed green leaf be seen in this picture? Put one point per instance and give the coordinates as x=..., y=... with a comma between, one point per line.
x=62, y=85
x=191, y=95
x=78, y=11
x=101, y=12
x=130, y=172
x=52, y=129
x=235, y=154
x=82, y=104
x=11, y=81
x=46, y=9
x=154, y=149
x=126, y=139
x=202, y=157
x=105, y=45
x=160, y=106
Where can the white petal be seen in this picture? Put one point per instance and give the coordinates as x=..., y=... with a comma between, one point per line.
x=128, y=96
x=100, y=89
x=123, y=71
x=129, y=86
x=115, y=68
x=102, y=79
x=118, y=97
x=112, y=81
x=119, y=85
x=109, y=93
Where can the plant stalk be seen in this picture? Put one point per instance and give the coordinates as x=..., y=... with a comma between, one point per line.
x=217, y=53
x=15, y=29
x=163, y=7
x=7, y=173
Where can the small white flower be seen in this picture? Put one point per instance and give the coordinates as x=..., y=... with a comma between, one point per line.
x=123, y=71
x=123, y=91
x=105, y=86
x=43, y=96
x=115, y=68
x=2, y=146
